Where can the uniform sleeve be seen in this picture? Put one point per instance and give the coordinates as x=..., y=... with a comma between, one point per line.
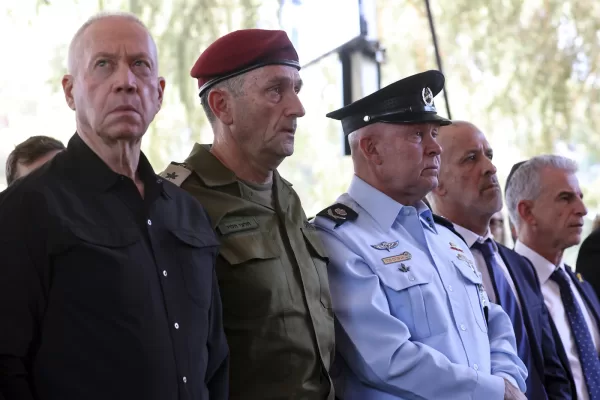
x=22, y=301
x=503, y=347
x=378, y=347
x=217, y=371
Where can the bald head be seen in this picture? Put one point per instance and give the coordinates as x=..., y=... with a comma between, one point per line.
x=468, y=192
x=76, y=45
x=450, y=136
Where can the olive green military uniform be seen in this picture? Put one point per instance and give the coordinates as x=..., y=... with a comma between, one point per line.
x=273, y=282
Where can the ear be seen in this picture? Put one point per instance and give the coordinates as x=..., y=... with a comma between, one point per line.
x=368, y=145
x=219, y=103
x=67, y=84
x=161, y=91
x=525, y=210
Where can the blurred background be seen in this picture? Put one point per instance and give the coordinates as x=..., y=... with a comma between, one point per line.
x=524, y=71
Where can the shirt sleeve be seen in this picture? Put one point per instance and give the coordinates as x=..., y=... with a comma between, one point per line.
x=23, y=229
x=378, y=347
x=503, y=346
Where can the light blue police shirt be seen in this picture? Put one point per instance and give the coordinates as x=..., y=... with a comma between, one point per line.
x=408, y=302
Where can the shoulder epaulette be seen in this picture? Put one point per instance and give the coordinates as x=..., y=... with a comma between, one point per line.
x=339, y=213
x=176, y=173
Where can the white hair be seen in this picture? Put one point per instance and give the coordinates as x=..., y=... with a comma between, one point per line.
x=73, y=46
x=525, y=183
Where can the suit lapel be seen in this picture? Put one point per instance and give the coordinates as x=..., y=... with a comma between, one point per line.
x=531, y=328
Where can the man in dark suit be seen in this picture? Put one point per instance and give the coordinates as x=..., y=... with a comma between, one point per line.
x=588, y=259
x=545, y=204
x=469, y=195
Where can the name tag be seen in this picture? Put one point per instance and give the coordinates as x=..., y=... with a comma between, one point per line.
x=237, y=225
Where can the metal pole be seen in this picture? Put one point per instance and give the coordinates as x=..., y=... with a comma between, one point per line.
x=437, y=54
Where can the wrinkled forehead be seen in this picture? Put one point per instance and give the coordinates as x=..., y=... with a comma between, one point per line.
x=274, y=73
x=117, y=35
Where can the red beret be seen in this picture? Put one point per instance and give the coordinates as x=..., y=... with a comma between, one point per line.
x=242, y=51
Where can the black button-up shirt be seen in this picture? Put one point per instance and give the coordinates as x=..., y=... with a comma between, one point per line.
x=105, y=294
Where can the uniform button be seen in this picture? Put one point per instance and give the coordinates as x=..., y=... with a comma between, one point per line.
x=176, y=325
x=475, y=367
x=450, y=288
x=184, y=379
x=411, y=278
x=463, y=327
x=165, y=273
x=159, y=181
x=149, y=222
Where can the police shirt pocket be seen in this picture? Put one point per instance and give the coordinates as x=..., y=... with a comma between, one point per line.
x=320, y=260
x=410, y=286
x=252, y=280
x=196, y=257
x=473, y=287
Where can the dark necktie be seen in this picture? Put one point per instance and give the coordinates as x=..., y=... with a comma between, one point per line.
x=581, y=332
x=506, y=299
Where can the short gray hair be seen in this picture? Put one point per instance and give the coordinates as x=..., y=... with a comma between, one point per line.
x=525, y=183
x=234, y=84
x=73, y=46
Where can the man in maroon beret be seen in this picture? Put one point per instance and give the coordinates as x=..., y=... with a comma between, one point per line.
x=272, y=265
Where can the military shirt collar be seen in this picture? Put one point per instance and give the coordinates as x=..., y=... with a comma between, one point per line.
x=88, y=168
x=381, y=207
x=213, y=172
x=208, y=167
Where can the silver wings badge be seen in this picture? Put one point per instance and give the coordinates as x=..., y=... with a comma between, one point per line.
x=385, y=245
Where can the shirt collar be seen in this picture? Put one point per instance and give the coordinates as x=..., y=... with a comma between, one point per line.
x=88, y=168
x=471, y=237
x=212, y=171
x=543, y=267
x=382, y=208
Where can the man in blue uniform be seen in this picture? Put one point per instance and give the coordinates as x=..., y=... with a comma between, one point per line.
x=412, y=318
x=468, y=194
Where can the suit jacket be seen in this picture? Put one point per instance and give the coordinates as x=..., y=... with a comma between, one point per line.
x=591, y=300
x=548, y=378
x=588, y=260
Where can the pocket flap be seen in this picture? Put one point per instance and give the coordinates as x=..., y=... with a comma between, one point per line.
x=241, y=248
x=469, y=273
x=105, y=236
x=196, y=239
x=401, y=276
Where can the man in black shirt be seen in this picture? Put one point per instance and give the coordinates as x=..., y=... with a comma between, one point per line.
x=107, y=281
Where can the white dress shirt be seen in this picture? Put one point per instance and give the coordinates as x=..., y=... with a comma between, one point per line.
x=471, y=238
x=553, y=301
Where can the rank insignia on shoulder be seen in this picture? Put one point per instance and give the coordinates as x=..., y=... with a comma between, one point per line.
x=339, y=213
x=176, y=173
x=385, y=245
